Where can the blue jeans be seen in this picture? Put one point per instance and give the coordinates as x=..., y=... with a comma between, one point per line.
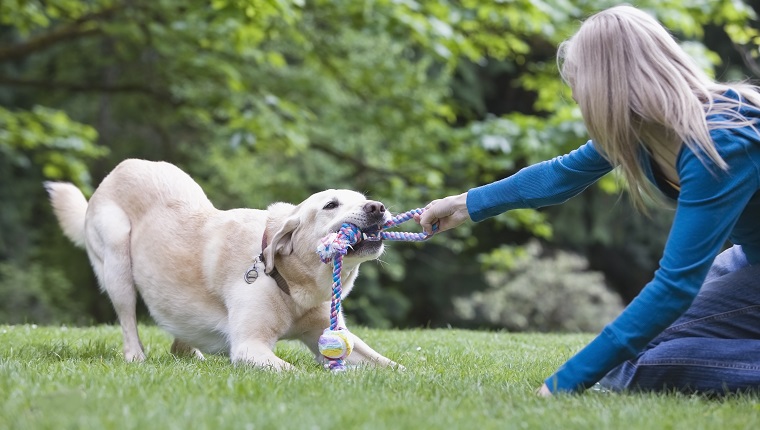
x=714, y=348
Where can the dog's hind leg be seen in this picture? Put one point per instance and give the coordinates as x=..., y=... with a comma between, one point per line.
x=180, y=348
x=123, y=295
x=108, y=243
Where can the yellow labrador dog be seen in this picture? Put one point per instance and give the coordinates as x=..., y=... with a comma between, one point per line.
x=149, y=228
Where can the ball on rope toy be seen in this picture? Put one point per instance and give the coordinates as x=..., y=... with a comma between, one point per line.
x=336, y=344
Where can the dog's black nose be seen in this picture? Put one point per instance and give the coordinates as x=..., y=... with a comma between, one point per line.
x=374, y=207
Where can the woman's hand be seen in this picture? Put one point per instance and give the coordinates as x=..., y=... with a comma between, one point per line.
x=446, y=213
x=544, y=391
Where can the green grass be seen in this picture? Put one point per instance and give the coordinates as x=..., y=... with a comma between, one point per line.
x=75, y=378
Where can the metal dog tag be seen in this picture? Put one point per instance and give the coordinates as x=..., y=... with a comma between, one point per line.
x=252, y=273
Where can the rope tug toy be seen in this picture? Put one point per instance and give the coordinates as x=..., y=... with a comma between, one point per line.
x=336, y=343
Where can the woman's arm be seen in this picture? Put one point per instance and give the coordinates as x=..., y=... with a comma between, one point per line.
x=709, y=204
x=547, y=183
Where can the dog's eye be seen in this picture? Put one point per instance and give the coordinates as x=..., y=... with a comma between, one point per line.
x=332, y=205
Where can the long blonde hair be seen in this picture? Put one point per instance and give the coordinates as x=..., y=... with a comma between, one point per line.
x=638, y=91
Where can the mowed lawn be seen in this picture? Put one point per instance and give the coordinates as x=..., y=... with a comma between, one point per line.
x=75, y=378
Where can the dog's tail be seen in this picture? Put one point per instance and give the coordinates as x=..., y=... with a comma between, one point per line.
x=70, y=207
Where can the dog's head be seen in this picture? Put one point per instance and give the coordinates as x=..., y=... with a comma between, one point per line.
x=298, y=229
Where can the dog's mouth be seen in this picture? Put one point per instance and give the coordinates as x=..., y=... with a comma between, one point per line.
x=372, y=233
x=369, y=242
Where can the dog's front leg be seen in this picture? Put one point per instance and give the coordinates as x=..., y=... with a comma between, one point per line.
x=364, y=354
x=256, y=322
x=318, y=319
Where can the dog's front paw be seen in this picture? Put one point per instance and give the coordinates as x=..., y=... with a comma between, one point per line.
x=278, y=366
x=274, y=364
x=259, y=357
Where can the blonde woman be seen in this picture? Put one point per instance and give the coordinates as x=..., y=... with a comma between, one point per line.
x=673, y=133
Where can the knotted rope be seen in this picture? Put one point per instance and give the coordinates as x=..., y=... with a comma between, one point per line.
x=336, y=342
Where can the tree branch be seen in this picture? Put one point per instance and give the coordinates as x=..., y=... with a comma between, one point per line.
x=59, y=34
x=89, y=87
x=357, y=163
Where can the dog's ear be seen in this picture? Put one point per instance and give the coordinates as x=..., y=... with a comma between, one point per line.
x=282, y=240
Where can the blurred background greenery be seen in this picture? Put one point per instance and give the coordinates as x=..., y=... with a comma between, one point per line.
x=271, y=100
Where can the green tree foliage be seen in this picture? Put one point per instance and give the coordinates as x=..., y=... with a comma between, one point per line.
x=266, y=100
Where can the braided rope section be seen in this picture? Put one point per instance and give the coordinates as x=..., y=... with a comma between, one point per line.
x=401, y=218
x=336, y=343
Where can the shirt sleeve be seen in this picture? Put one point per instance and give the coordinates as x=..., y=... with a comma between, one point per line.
x=708, y=206
x=547, y=183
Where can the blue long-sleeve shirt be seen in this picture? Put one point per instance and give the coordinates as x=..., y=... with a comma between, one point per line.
x=713, y=206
